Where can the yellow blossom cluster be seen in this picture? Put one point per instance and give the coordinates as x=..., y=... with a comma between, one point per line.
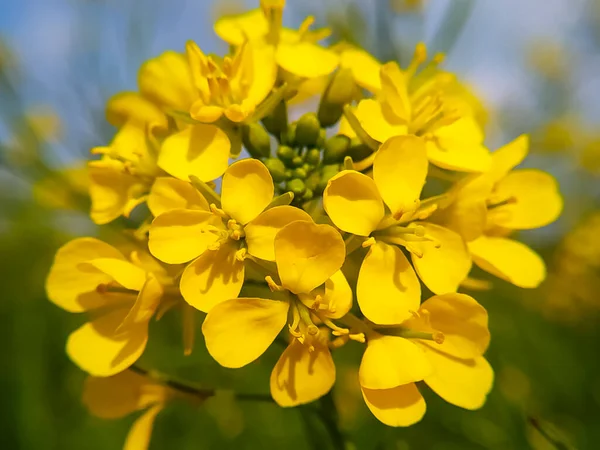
x=390, y=175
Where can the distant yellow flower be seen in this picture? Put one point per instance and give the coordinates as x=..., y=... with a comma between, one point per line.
x=217, y=240
x=356, y=204
x=89, y=275
x=442, y=344
x=426, y=104
x=308, y=258
x=488, y=207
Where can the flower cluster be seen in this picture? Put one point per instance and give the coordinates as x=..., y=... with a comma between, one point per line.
x=358, y=228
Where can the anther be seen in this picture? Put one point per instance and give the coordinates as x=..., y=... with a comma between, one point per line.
x=368, y=242
x=240, y=255
x=272, y=285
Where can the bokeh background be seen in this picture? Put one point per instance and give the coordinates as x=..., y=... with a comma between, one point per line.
x=534, y=63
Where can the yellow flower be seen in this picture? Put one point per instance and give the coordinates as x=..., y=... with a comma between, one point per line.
x=426, y=104
x=238, y=331
x=296, y=51
x=441, y=344
x=89, y=275
x=123, y=394
x=356, y=204
x=488, y=207
x=218, y=240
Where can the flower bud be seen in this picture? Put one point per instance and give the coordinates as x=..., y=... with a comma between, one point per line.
x=276, y=123
x=297, y=161
x=286, y=154
x=308, y=130
x=326, y=173
x=256, y=140
x=338, y=93
x=336, y=148
x=299, y=173
x=276, y=169
x=313, y=156
x=289, y=135
x=297, y=186
x=358, y=150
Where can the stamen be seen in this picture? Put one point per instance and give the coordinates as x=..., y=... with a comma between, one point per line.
x=368, y=242
x=240, y=255
x=272, y=285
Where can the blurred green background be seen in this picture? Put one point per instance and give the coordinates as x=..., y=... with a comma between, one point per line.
x=535, y=64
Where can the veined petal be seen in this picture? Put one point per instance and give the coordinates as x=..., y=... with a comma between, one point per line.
x=388, y=288
x=247, y=190
x=509, y=156
x=401, y=406
x=98, y=349
x=238, y=331
x=307, y=255
x=353, y=203
x=302, y=376
x=338, y=295
x=145, y=305
x=139, y=435
x=132, y=107
x=463, y=383
x=533, y=200
x=399, y=171
x=212, y=278
x=201, y=150
x=260, y=232
x=123, y=272
x=205, y=113
x=180, y=235
x=71, y=284
x=169, y=193
x=510, y=260
x=262, y=69
x=391, y=361
x=306, y=59
x=364, y=67
x=236, y=29
x=378, y=121
x=446, y=261
x=394, y=90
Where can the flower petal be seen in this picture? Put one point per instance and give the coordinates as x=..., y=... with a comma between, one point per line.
x=378, y=121
x=306, y=59
x=391, y=361
x=212, y=278
x=71, y=284
x=238, y=28
x=463, y=383
x=446, y=261
x=401, y=406
x=399, y=171
x=139, y=435
x=302, y=376
x=338, y=295
x=238, y=331
x=134, y=108
x=509, y=156
x=307, y=255
x=97, y=348
x=353, y=203
x=364, y=67
x=247, y=190
x=533, y=200
x=123, y=272
x=388, y=288
x=201, y=150
x=510, y=260
x=181, y=235
x=145, y=304
x=169, y=193
x=261, y=68
x=260, y=232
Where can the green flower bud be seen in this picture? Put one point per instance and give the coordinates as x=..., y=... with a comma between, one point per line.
x=308, y=194
x=297, y=161
x=297, y=186
x=276, y=169
x=299, y=173
x=326, y=173
x=256, y=140
x=286, y=154
x=335, y=149
x=339, y=92
x=313, y=156
x=308, y=130
x=276, y=123
x=358, y=150
x=322, y=138
x=313, y=180
x=308, y=167
x=289, y=136
x=288, y=174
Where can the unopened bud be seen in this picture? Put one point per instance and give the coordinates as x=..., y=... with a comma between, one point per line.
x=289, y=135
x=276, y=169
x=297, y=161
x=276, y=123
x=313, y=156
x=313, y=180
x=326, y=173
x=322, y=138
x=296, y=186
x=338, y=92
x=256, y=140
x=308, y=194
x=358, y=150
x=308, y=130
x=299, y=173
x=335, y=149
x=286, y=154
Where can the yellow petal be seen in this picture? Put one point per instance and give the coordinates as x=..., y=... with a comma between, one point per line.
x=306, y=59
x=247, y=190
x=462, y=320
x=394, y=93
x=71, y=284
x=378, y=121
x=459, y=146
x=145, y=305
x=446, y=261
x=388, y=288
x=236, y=29
x=399, y=170
x=139, y=435
x=463, y=383
x=307, y=255
x=262, y=70
x=391, y=361
x=509, y=156
x=302, y=376
x=98, y=349
x=168, y=194
x=353, y=203
x=125, y=273
x=214, y=277
x=533, y=200
x=510, y=260
x=201, y=150
x=364, y=67
x=401, y=406
x=181, y=235
x=205, y=113
x=338, y=295
x=238, y=331
x=260, y=232
x=132, y=107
